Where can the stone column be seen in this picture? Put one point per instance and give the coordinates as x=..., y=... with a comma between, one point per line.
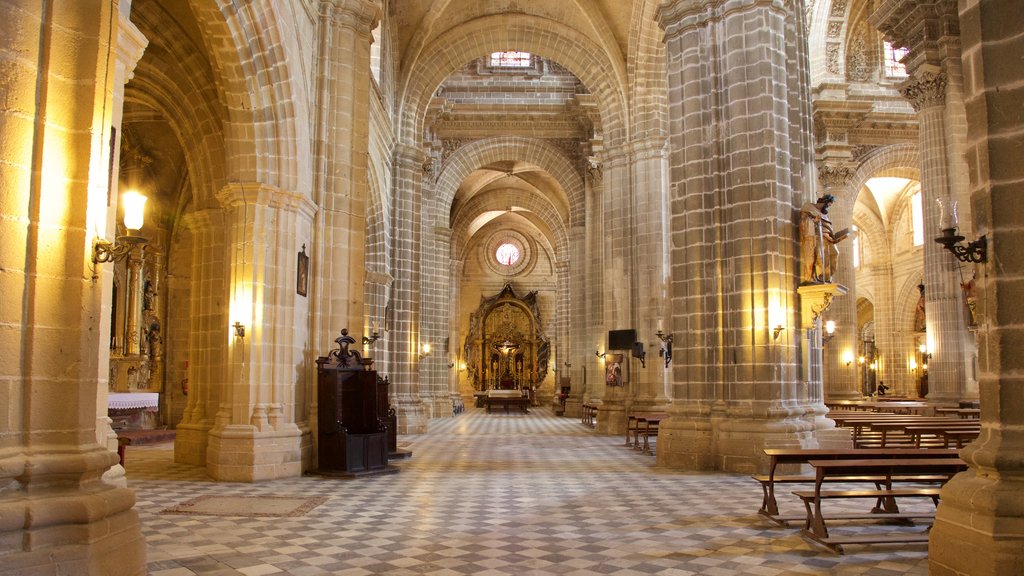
x=455, y=337
x=650, y=270
x=615, y=275
x=59, y=515
x=341, y=189
x=576, y=358
x=131, y=44
x=435, y=295
x=934, y=88
x=839, y=353
x=208, y=330
x=740, y=116
x=979, y=526
x=404, y=339
x=254, y=434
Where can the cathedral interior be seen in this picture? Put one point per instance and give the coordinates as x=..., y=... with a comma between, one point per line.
x=740, y=213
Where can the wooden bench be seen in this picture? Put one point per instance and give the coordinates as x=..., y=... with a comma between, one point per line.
x=793, y=456
x=815, y=525
x=648, y=428
x=588, y=414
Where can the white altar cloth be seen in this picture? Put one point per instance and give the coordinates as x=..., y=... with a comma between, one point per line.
x=129, y=400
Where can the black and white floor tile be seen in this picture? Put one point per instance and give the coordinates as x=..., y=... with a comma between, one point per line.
x=492, y=494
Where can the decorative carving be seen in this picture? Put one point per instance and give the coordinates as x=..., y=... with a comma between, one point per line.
x=835, y=28
x=450, y=145
x=860, y=61
x=862, y=150
x=838, y=9
x=832, y=57
x=925, y=90
x=832, y=176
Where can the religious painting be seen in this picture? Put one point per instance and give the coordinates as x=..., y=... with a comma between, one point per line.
x=302, y=277
x=613, y=369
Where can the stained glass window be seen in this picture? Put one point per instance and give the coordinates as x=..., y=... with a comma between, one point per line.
x=507, y=254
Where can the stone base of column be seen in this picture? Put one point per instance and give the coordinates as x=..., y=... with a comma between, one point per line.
x=412, y=414
x=737, y=445
x=84, y=527
x=190, y=441
x=611, y=418
x=443, y=407
x=574, y=407
x=242, y=453
x=979, y=527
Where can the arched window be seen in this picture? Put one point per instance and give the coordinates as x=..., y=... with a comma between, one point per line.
x=893, y=55
x=510, y=60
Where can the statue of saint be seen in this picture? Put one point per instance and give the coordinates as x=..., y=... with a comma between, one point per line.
x=819, y=254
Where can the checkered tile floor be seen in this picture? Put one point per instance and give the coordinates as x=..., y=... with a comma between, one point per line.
x=492, y=494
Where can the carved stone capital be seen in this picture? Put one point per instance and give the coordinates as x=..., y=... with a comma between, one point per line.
x=925, y=90
x=835, y=176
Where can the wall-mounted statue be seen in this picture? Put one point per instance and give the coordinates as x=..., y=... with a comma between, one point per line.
x=819, y=254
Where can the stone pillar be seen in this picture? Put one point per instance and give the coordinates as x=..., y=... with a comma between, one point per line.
x=435, y=295
x=208, y=330
x=341, y=189
x=739, y=111
x=576, y=359
x=455, y=337
x=59, y=515
x=930, y=30
x=650, y=276
x=979, y=526
x=839, y=352
x=130, y=46
x=254, y=434
x=615, y=276
x=404, y=339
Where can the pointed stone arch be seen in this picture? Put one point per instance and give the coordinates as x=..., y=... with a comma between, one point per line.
x=257, y=83
x=508, y=148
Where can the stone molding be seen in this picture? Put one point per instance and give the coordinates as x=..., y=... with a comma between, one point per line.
x=238, y=194
x=359, y=15
x=131, y=45
x=378, y=278
x=925, y=90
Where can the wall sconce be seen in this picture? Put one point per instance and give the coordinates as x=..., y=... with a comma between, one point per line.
x=666, y=346
x=239, y=329
x=776, y=331
x=462, y=366
x=134, y=205
x=600, y=354
x=975, y=251
x=830, y=331
x=425, y=350
x=848, y=357
x=568, y=365
x=923, y=349
x=369, y=340
x=451, y=365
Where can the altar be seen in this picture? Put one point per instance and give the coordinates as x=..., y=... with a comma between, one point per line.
x=133, y=410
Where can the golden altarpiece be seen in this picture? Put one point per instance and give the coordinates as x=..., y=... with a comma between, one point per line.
x=506, y=348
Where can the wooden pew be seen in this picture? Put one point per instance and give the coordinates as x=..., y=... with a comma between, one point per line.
x=647, y=428
x=791, y=456
x=815, y=526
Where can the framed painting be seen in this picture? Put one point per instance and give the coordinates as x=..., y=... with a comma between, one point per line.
x=613, y=369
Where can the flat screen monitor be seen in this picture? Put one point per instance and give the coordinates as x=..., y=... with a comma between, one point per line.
x=621, y=339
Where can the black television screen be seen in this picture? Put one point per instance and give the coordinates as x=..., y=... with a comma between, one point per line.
x=621, y=339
